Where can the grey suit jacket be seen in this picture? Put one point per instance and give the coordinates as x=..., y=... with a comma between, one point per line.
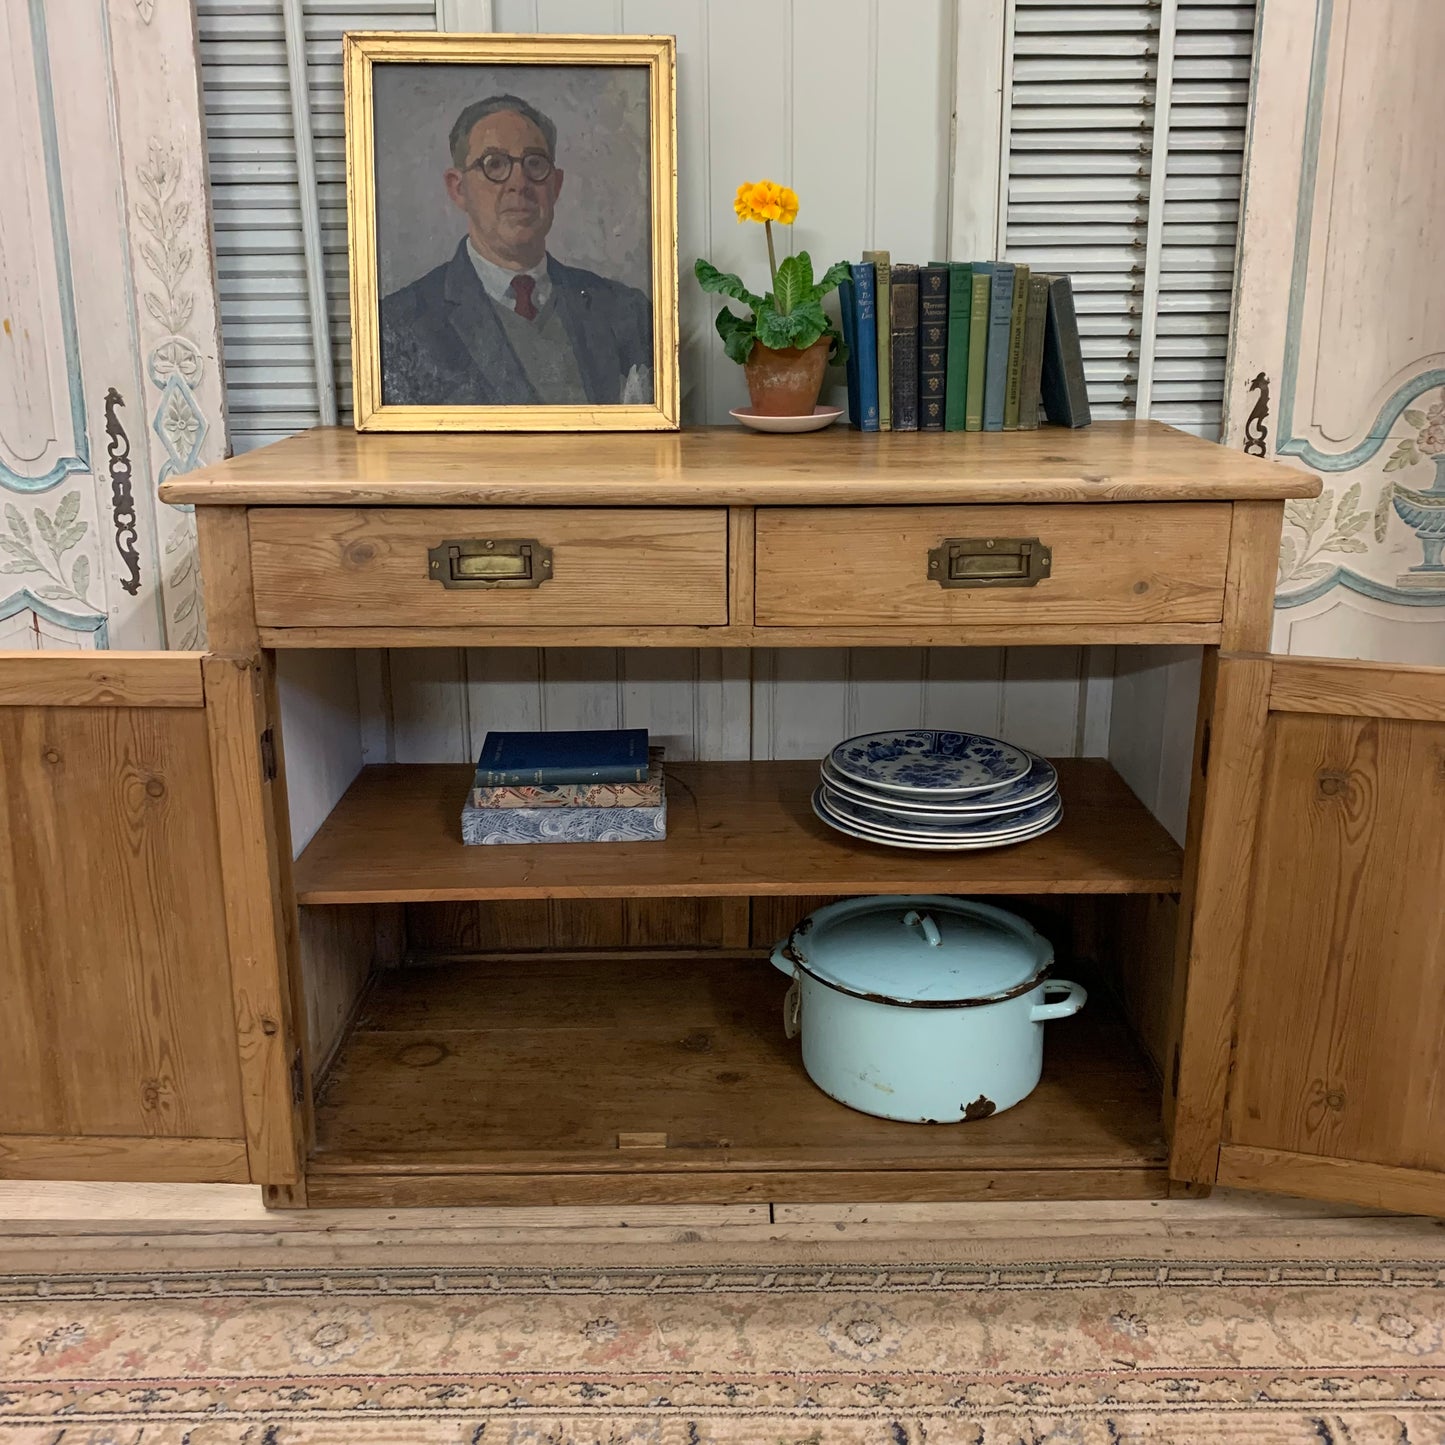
x=442, y=344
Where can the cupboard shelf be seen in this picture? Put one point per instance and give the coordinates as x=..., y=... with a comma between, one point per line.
x=574, y=1079
x=734, y=829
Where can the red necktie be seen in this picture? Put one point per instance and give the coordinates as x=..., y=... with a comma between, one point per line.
x=522, y=287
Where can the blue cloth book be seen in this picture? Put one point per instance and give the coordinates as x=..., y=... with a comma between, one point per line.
x=542, y=759
x=848, y=315
x=1000, y=322
x=865, y=326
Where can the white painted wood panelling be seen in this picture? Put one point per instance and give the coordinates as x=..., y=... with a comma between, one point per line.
x=321, y=724
x=1151, y=732
x=1344, y=624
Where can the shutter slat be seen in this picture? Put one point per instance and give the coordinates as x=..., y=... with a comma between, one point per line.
x=1080, y=154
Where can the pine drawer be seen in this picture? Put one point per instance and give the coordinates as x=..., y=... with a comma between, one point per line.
x=901, y=566
x=432, y=567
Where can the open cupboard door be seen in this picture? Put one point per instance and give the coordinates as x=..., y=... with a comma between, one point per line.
x=1313, y=1048
x=147, y=1029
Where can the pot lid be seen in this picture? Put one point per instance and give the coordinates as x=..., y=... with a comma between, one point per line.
x=921, y=949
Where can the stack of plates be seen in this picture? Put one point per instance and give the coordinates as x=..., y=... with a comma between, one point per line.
x=942, y=790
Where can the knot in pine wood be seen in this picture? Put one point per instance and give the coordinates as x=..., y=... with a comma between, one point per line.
x=1332, y=783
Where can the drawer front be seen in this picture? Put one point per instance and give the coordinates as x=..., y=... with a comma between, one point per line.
x=1125, y=562
x=385, y=567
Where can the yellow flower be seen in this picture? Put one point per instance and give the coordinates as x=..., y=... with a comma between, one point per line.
x=766, y=201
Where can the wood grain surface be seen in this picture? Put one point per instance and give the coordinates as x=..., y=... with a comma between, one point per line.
x=114, y=960
x=1360, y=689
x=141, y=1157
x=319, y=567
x=734, y=829
x=1107, y=462
x=428, y=1084
x=840, y=566
x=100, y=679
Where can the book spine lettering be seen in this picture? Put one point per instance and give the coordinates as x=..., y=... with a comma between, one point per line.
x=1016, y=349
x=1000, y=315
x=882, y=290
x=982, y=294
x=865, y=317
x=932, y=345
x=903, y=354
x=960, y=300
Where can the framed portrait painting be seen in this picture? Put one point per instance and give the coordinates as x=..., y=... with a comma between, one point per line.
x=513, y=225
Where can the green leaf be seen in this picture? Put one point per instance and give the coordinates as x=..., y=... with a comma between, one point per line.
x=28, y=565
x=713, y=280
x=46, y=528
x=54, y=593
x=833, y=277
x=839, y=351
x=80, y=575
x=1347, y=545
x=69, y=537
x=776, y=331
x=1382, y=510
x=14, y=548
x=811, y=323
x=738, y=334
x=17, y=523
x=1349, y=500
x=1288, y=556
x=1415, y=418
x=795, y=282
x=1315, y=569
x=67, y=511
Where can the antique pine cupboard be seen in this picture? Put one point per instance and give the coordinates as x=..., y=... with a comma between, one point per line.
x=392, y=1018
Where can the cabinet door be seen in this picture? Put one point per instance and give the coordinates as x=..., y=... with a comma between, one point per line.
x=1313, y=1050
x=146, y=1025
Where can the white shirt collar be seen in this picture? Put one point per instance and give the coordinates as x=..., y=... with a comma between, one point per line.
x=497, y=280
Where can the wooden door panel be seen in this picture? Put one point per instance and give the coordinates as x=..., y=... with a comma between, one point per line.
x=139, y=1030
x=1341, y=1033
x=1314, y=1037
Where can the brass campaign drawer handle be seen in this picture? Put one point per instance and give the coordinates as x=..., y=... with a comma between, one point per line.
x=990, y=562
x=490, y=562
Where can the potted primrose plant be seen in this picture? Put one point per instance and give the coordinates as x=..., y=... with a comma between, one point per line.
x=787, y=340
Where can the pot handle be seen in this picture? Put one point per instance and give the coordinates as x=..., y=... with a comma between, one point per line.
x=783, y=959
x=1072, y=1001
x=914, y=919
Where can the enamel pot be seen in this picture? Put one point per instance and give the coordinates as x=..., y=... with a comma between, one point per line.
x=926, y=1009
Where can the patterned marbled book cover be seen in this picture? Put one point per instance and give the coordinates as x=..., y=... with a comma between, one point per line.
x=571, y=824
x=646, y=794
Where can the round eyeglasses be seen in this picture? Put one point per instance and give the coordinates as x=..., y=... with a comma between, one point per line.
x=496, y=165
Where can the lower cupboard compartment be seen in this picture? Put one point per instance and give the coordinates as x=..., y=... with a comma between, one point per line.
x=663, y=1074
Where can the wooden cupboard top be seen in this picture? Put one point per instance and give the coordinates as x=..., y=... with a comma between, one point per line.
x=1107, y=462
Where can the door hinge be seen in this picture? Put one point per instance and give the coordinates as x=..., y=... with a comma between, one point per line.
x=268, y=755
x=298, y=1079
x=1204, y=751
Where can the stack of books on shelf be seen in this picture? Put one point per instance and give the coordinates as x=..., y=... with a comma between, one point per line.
x=567, y=787
x=961, y=346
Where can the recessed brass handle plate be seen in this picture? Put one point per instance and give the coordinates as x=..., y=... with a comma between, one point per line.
x=490, y=562
x=989, y=562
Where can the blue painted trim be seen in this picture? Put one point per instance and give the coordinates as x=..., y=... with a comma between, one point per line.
x=26, y=601
x=1353, y=582
x=1375, y=438
x=50, y=147
x=1304, y=219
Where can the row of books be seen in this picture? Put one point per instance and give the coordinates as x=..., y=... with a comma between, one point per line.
x=587, y=786
x=961, y=346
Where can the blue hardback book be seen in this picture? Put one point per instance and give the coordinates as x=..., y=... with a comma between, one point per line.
x=848, y=315
x=865, y=326
x=1000, y=321
x=614, y=755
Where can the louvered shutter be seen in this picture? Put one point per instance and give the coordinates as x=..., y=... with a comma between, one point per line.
x=1079, y=154
x=256, y=197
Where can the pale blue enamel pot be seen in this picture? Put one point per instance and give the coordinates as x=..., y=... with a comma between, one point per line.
x=925, y=1009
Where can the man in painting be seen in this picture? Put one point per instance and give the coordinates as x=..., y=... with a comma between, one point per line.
x=504, y=323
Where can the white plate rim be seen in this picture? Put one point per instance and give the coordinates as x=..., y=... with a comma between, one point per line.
x=974, y=805
x=974, y=846
x=942, y=821
x=907, y=790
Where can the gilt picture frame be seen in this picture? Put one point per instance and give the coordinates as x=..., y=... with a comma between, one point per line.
x=512, y=212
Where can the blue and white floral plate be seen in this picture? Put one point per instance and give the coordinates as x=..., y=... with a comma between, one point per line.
x=959, y=842
x=930, y=763
x=937, y=825
x=1038, y=783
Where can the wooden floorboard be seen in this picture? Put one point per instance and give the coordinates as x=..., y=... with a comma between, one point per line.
x=733, y=830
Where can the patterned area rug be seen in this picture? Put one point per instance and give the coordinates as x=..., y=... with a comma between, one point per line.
x=1069, y=1354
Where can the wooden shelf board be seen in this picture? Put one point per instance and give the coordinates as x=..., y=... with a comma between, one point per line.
x=1142, y=461
x=734, y=829
x=542, y=1070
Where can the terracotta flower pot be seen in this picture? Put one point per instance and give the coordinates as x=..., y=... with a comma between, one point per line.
x=786, y=382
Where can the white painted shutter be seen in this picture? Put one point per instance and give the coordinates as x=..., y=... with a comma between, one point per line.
x=1080, y=137
x=257, y=198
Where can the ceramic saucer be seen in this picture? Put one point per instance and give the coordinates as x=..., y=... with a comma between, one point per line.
x=815, y=420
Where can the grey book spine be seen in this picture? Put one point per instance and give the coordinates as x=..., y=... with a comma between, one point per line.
x=1064, y=388
x=1000, y=319
x=1035, y=317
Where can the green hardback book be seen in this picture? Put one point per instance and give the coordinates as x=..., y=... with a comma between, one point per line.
x=1033, y=351
x=960, y=307
x=1017, y=328
x=977, y=342
x=882, y=269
